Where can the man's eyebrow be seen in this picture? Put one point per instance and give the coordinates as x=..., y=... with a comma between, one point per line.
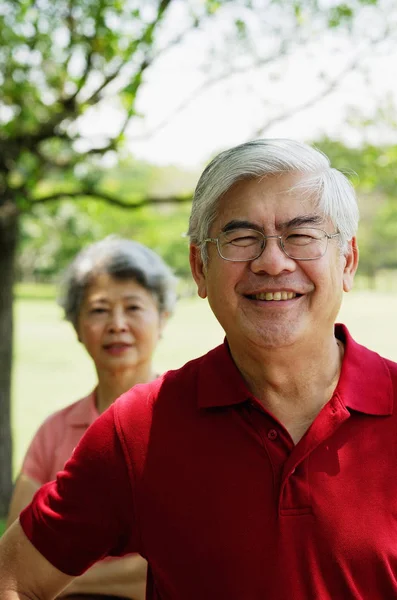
x=299, y=221
x=302, y=221
x=237, y=224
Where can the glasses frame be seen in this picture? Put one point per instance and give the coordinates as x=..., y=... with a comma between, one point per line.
x=280, y=238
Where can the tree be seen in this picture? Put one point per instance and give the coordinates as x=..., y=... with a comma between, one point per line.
x=61, y=60
x=372, y=169
x=52, y=234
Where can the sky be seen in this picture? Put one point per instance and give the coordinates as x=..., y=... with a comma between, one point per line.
x=238, y=108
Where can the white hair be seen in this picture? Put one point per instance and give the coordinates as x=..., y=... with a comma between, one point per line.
x=333, y=192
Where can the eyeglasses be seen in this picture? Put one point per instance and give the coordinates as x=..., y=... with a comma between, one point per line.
x=303, y=243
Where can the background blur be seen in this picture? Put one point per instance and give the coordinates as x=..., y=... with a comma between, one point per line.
x=110, y=109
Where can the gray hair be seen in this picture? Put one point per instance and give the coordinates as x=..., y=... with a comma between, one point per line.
x=121, y=259
x=333, y=192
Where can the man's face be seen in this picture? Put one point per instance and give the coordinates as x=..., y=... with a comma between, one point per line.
x=235, y=289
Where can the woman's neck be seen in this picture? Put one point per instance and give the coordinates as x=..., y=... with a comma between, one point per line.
x=111, y=385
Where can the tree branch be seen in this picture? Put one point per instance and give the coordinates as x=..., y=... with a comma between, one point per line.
x=96, y=95
x=330, y=87
x=208, y=83
x=48, y=129
x=108, y=198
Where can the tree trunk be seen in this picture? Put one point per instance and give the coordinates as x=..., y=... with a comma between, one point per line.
x=8, y=243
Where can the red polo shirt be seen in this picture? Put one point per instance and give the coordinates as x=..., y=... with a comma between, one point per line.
x=191, y=472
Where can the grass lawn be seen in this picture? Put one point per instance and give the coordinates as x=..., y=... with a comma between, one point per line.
x=51, y=369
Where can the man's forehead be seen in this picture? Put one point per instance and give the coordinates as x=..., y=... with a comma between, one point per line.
x=289, y=182
x=284, y=200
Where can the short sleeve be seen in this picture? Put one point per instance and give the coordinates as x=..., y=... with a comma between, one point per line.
x=88, y=512
x=36, y=463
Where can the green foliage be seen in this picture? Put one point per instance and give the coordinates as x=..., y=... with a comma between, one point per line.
x=49, y=238
x=372, y=171
x=340, y=13
x=52, y=234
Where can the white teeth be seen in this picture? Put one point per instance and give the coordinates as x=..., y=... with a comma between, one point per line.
x=277, y=296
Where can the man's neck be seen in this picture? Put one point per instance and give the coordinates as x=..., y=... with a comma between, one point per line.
x=293, y=383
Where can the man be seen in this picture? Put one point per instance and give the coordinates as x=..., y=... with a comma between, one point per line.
x=265, y=469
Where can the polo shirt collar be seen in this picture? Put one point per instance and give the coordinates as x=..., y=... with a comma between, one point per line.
x=364, y=385
x=220, y=383
x=83, y=413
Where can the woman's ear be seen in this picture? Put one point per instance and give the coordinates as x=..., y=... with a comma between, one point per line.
x=198, y=270
x=164, y=316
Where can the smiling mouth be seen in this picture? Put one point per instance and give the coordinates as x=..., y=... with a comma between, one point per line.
x=116, y=346
x=275, y=296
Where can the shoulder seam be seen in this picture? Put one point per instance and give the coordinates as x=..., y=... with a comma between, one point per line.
x=130, y=468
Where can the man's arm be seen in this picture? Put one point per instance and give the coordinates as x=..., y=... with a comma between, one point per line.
x=124, y=577
x=24, y=573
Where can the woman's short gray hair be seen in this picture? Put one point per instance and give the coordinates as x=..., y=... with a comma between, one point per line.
x=333, y=192
x=121, y=259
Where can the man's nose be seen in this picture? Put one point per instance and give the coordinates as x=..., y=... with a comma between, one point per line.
x=273, y=259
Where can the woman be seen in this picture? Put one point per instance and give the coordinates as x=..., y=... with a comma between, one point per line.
x=118, y=295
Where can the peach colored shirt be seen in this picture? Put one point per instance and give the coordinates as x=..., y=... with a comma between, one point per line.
x=56, y=439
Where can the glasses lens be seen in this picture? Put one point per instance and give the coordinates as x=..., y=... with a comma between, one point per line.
x=305, y=243
x=240, y=244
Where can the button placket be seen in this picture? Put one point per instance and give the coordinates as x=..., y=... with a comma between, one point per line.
x=295, y=492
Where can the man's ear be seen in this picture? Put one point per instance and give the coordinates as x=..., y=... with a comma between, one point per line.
x=198, y=270
x=351, y=264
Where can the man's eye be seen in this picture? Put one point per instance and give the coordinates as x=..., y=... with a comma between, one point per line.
x=133, y=307
x=300, y=239
x=243, y=240
x=97, y=311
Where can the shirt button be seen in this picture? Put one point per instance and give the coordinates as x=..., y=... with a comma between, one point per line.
x=272, y=434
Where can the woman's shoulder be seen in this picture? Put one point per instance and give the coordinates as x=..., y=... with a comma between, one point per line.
x=78, y=412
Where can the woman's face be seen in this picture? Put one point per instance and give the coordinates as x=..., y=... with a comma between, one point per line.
x=119, y=324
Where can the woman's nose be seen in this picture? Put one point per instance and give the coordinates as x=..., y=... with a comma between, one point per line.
x=118, y=321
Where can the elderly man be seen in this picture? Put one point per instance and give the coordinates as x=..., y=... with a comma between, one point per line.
x=265, y=469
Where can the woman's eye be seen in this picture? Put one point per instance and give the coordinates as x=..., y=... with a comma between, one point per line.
x=97, y=311
x=133, y=307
